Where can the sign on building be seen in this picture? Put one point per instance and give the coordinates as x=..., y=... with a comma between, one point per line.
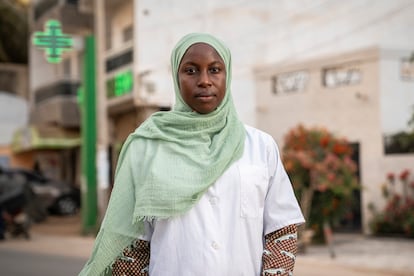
x=53, y=41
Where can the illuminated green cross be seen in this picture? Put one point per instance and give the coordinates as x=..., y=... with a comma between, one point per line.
x=53, y=41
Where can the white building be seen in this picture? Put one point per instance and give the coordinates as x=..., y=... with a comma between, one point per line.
x=135, y=39
x=13, y=115
x=361, y=95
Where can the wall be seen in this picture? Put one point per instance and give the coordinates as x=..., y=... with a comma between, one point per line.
x=14, y=79
x=352, y=111
x=265, y=32
x=397, y=97
x=13, y=115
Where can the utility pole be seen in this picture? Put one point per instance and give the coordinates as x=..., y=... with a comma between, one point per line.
x=88, y=148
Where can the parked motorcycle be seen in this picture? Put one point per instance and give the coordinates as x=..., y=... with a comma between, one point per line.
x=18, y=207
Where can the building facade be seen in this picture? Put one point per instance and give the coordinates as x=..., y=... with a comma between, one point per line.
x=360, y=95
x=13, y=116
x=263, y=35
x=13, y=111
x=52, y=134
x=135, y=38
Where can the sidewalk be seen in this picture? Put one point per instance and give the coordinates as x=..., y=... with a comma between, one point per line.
x=356, y=255
x=55, y=236
x=359, y=255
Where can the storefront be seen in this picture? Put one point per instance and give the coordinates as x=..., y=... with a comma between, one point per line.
x=51, y=151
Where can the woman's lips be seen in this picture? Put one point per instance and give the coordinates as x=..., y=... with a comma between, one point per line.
x=205, y=96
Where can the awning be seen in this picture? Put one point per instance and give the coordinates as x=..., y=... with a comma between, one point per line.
x=34, y=137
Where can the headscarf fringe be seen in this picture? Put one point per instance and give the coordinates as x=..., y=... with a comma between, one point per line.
x=108, y=270
x=145, y=218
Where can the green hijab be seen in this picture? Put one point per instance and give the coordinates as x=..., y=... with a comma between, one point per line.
x=167, y=163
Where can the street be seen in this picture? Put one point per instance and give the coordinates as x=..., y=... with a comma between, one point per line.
x=57, y=248
x=31, y=263
x=19, y=263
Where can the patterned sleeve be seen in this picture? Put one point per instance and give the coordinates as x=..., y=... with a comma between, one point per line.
x=280, y=252
x=134, y=260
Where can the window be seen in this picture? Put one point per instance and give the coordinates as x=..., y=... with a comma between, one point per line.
x=108, y=34
x=119, y=60
x=80, y=58
x=66, y=68
x=8, y=81
x=407, y=69
x=290, y=82
x=127, y=33
x=341, y=75
x=400, y=142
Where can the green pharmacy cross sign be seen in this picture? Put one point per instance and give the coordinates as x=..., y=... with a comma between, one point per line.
x=53, y=41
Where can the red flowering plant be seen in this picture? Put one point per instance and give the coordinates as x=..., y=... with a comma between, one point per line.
x=397, y=217
x=322, y=173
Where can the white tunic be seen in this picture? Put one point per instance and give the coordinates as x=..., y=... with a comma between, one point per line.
x=222, y=235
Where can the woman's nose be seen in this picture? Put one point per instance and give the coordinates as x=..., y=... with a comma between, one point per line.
x=204, y=79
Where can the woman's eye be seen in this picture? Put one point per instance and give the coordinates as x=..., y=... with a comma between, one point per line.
x=190, y=70
x=215, y=70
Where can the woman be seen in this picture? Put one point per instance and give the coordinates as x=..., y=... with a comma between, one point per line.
x=196, y=192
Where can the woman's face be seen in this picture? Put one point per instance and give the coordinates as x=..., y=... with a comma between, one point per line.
x=202, y=78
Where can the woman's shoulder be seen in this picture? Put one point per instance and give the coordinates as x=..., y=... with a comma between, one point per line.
x=254, y=134
x=260, y=144
x=250, y=130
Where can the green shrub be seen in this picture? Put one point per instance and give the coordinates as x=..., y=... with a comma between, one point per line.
x=397, y=217
x=322, y=173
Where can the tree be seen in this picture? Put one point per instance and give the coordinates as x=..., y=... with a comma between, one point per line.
x=323, y=175
x=13, y=31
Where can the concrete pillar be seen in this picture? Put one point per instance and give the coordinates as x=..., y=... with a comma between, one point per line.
x=102, y=161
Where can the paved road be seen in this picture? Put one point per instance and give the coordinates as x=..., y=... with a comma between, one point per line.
x=20, y=263
x=356, y=255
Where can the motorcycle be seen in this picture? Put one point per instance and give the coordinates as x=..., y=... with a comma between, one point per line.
x=17, y=205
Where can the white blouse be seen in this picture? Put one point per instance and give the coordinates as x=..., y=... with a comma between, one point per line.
x=223, y=234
